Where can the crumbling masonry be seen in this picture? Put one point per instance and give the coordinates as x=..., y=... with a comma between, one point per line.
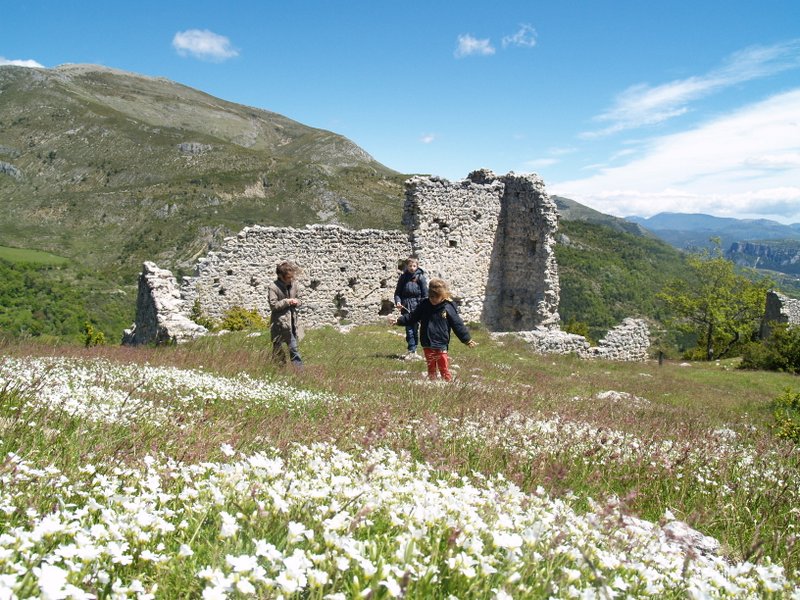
x=491, y=237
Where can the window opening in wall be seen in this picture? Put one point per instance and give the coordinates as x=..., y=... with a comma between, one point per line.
x=229, y=271
x=253, y=282
x=387, y=308
x=352, y=282
x=384, y=283
x=221, y=291
x=216, y=279
x=343, y=269
x=340, y=307
x=314, y=284
x=452, y=243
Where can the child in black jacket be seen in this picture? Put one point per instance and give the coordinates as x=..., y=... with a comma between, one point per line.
x=438, y=315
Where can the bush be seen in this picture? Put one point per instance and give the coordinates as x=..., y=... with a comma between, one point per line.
x=779, y=352
x=579, y=328
x=238, y=318
x=198, y=316
x=92, y=336
x=786, y=410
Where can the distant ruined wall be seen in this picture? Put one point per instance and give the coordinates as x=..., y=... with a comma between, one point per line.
x=491, y=237
x=629, y=341
x=779, y=309
x=160, y=311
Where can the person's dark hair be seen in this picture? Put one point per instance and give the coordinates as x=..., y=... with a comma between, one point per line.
x=412, y=258
x=285, y=268
x=438, y=289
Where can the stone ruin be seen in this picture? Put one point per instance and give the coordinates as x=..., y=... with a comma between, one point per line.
x=779, y=309
x=491, y=237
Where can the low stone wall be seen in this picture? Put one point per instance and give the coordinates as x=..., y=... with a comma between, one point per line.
x=629, y=341
x=548, y=341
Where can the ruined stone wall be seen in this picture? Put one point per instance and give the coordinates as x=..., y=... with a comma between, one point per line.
x=453, y=227
x=160, y=311
x=346, y=275
x=629, y=341
x=779, y=309
x=492, y=239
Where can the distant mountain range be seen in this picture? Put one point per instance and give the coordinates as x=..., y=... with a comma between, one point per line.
x=687, y=231
x=758, y=243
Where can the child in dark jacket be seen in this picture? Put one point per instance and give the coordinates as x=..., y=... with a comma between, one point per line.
x=437, y=315
x=412, y=288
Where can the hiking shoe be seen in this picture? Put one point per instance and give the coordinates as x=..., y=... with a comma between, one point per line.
x=412, y=356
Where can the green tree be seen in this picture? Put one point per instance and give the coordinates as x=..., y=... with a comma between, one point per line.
x=721, y=307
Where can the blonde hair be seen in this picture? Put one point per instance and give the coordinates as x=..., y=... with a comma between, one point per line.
x=439, y=289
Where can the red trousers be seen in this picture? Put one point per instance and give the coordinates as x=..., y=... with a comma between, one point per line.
x=437, y=359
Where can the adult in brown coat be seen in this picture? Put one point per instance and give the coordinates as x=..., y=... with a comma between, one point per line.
x=283, y=302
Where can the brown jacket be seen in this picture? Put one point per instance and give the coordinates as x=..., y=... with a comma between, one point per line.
x=284, y=318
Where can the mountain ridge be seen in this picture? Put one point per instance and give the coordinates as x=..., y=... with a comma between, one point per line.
x=694, y=230
x=100, y=152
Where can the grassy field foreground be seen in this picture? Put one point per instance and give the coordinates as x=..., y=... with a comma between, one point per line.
x=206, y=471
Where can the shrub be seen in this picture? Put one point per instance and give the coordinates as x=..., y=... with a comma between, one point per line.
x=198, y=316
x=238, y=318
x=779, y=352
x=786, y=410
x=92, y=336
x=579, y=328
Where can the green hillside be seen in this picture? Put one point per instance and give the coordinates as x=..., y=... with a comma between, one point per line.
x=607, y=275
x=115, y=168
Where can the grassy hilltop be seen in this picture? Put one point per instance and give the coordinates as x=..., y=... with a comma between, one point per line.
x=115, y=168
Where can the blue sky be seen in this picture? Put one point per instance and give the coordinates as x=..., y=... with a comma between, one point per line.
x=630, y=107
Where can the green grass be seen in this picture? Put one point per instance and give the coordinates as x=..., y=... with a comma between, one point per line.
x=29, y=256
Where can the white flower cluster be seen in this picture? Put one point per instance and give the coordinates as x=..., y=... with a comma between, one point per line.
x=699, y=461
x=323, y=522
x=101, y=390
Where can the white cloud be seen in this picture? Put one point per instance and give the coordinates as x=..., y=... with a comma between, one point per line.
x=539, y=163
x=642, y=104
x=468, y=46
x=525, y=37
x=21, y=63
x=428, y=138
x=203, y=44
x=744, y=163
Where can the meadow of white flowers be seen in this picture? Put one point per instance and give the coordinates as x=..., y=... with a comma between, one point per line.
x=317, y=521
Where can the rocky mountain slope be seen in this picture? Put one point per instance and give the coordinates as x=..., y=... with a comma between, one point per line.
x=777, y=255
x=113, y=168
